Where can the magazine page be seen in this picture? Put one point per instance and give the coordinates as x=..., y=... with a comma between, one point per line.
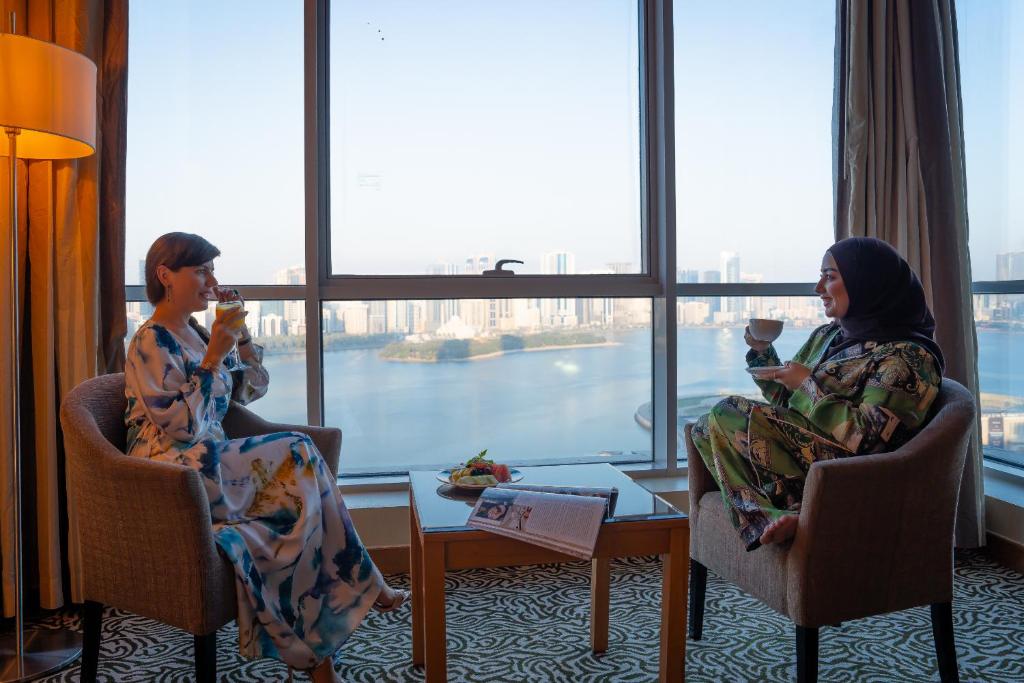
x=611, y=494
x=565, y=523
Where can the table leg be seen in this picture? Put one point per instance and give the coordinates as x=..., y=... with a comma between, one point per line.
x=416, y=579
x=599, y=581
x=675, y=569
x=434, y=632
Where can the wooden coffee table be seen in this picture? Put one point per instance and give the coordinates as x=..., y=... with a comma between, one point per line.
x=643, y=525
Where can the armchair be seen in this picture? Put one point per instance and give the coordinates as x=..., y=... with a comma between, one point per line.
x=144, y=525
x=875, y=535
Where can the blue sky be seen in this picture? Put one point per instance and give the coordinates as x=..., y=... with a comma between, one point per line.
x=512, y=128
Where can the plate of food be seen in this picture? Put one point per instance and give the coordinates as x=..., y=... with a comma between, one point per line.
x=479, y=473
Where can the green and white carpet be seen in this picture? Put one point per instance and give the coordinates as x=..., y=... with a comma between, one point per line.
x=531, y=624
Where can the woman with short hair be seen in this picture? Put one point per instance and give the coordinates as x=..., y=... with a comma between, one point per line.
x=304, y=579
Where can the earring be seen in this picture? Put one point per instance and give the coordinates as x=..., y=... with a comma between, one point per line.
x=170, y=297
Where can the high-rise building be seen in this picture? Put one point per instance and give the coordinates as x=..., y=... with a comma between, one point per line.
x=479, y=263
x=377, y=319
x=1010, y=266
x=621, y=267
x=714, y=303
x=446, y=268
x=145, y=308
x=561, y=311
x=294, y=312
x=688, y=277
x=730, y=273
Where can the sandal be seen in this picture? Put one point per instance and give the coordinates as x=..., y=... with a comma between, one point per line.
x=401, y=597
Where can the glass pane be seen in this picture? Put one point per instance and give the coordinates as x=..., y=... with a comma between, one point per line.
x=427, y=384
x=215, y=132
x=1000, y=322
x=753, y=98
x=712, y=354
x=464, y=132
x=280, y=328
x=991, y=38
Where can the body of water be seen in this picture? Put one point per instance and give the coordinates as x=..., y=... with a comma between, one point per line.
x=535, y=406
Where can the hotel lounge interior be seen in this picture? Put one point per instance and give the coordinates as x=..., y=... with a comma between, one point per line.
x=290, y=285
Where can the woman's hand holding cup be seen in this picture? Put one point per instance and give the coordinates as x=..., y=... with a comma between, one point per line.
x=761, y=332
x=756, y=344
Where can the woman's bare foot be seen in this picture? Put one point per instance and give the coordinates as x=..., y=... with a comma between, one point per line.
x=390, y=599
x=325, y=673
x=781, y=530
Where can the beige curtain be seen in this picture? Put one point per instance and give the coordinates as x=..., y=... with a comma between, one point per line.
x=69, y=293
x=900, y=175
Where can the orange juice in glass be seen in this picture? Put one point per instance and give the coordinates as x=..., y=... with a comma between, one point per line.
x=226, y=308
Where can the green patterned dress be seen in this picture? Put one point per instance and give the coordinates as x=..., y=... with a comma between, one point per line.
x=867, y=398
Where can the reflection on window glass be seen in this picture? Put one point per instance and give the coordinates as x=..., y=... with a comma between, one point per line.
x=427, y=384
x=712, y=354
x=991, y=39
x=215, y=141
x=466, y=131
x=1000, y=323
x=753, y=100
x=280, y=328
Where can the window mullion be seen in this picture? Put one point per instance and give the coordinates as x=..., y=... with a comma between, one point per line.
x=317, y=199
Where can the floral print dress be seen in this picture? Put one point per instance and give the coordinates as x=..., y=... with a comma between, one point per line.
x=867, y=398
x=304, y=580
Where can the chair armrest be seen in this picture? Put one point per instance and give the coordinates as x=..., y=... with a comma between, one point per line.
x=699, y=480
x=241, y=422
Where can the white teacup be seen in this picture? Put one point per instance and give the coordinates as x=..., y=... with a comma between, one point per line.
x=765, y=329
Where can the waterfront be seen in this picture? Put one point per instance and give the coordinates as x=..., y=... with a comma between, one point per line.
x=531, y=407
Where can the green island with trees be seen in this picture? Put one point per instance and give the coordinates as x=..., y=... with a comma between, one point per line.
x=440, y=350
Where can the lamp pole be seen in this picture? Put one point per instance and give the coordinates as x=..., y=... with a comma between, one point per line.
x=19, y=621
x=44, y=650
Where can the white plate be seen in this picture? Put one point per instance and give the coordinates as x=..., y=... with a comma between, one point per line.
x=765, y=368
x=445, y=477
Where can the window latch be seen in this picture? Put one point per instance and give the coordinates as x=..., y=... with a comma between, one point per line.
x=498, y=271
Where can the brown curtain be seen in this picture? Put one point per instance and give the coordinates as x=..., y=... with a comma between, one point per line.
x=73, y=311
x=900, y=175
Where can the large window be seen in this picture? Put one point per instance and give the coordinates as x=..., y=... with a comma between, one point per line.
x=465, y=131
x=403, y=149
x=215, y=133
x=420, y=384
x=992, y=71
x=753, y=93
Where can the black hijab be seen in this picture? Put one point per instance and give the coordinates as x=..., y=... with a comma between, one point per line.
x=887, y=300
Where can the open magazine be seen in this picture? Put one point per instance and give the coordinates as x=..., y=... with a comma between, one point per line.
x=562, y=518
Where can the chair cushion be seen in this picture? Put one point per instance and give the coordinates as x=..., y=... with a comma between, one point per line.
x=715, y=543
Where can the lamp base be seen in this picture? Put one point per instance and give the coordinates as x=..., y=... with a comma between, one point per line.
x=46, y=651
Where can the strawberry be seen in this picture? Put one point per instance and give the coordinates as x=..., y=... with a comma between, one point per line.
x=501, y=473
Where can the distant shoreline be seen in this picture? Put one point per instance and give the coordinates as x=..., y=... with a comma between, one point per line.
x=497, y=354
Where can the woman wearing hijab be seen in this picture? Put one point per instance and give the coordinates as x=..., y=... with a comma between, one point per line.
x=861, y=384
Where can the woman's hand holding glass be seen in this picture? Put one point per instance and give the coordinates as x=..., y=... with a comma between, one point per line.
x=227, y=329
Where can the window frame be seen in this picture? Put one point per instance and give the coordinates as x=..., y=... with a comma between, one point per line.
x=657, y=224
x=990, y=454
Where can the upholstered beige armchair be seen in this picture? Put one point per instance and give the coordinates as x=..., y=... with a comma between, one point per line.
x=145, y=528
x=875, y=536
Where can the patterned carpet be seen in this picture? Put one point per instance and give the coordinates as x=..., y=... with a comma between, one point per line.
x=510, y=625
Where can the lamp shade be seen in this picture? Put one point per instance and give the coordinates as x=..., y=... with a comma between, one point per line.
x=48, y=93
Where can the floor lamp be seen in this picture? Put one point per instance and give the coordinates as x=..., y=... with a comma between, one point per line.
x=47, y=111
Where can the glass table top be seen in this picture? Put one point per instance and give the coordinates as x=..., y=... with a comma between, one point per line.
x=442, y=507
